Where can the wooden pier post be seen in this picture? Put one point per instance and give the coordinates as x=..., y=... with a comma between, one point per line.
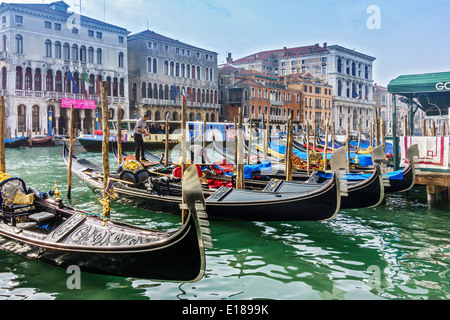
x=2, y=135
x=204, y=133
x=69, y=172
x=166, y=146
x=266, y=137
x=249, y=139
x=289, y=146
x=240, y=182
x=333, y=136
x=347, y=145
x=105, y=151
x=325, y=161
x=184, y=135
x=119, y=133
x=308, y=157
x=235, y=143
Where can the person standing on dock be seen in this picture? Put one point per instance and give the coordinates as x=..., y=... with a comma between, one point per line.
x=139, y=131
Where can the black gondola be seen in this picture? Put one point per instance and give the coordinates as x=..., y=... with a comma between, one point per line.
x=48, y=231
x=409, y=173
x=308, y=203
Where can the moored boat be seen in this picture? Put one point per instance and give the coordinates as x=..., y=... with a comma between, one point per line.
x=311, y=203
x=49, y=231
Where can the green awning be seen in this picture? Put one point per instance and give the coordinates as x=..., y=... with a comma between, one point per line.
x=431, y=90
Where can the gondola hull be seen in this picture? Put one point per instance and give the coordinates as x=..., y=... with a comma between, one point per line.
x=408, y=181
x=320, y=203
x=365, y=194
x=82, y=240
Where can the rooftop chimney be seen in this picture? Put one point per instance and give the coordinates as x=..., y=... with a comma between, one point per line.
x=229, y=58
x=325, y=45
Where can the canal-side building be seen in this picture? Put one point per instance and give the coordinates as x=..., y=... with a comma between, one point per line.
x=281, y=62
x=259, y=95
x=317, y=97
x=348, y=72
x=48, y=54
x=160, y=68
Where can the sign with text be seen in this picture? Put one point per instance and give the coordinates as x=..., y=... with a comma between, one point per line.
x=78, y=104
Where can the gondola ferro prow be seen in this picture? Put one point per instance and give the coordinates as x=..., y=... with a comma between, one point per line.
x=378, y=156
x=195, y=203
x=338, y=163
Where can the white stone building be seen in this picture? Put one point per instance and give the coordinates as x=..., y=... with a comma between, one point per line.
x=40, y=43
x=350, y=74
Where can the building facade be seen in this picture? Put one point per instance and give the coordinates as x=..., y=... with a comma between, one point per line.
x=348, y=72
x=384, y=103
x=40, y=44
x=160, y=68
x=350, y=75
x=317, y=97
x=259, y=95
x=287, y=61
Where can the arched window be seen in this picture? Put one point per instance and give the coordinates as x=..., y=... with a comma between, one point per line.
x=149, y=64
x=122, y=87
x=155, y=65
x=339, y=65
x=75, y=52
x=115, y=87
x=199, y=77
x=149, y=91
x=4, y=43
x=21, y=118
x=35, y=119
x=58, y=50
x=121, y=60
x=48, y=48
x=83, y=57
x=177, y=69
x=99, y=56
x=66, y=51
x=155, y=91
x=4, y=78
x=91, y=55
x=37, y=80
x=49, y=81
x=19, y=44
x=19, y=78
x=144, y=90
x=172, y=68
x=58, y=81
x=166, y=92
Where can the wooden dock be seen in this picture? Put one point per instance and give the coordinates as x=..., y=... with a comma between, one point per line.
x=437, y=183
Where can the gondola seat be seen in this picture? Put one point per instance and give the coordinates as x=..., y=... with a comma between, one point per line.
x=15, y=201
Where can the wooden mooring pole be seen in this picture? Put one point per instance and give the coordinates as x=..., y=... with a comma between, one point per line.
x=69, y=172
x=105, y=151
x=2, y=135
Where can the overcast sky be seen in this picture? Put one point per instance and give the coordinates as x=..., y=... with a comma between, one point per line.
x=410, y=36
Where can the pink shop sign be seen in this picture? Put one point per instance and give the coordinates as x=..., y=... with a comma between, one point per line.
x=78, y=104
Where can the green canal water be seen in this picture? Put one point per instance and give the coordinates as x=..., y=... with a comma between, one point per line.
x=399, y=250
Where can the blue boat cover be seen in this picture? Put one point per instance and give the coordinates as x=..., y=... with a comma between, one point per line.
x=396, y=175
